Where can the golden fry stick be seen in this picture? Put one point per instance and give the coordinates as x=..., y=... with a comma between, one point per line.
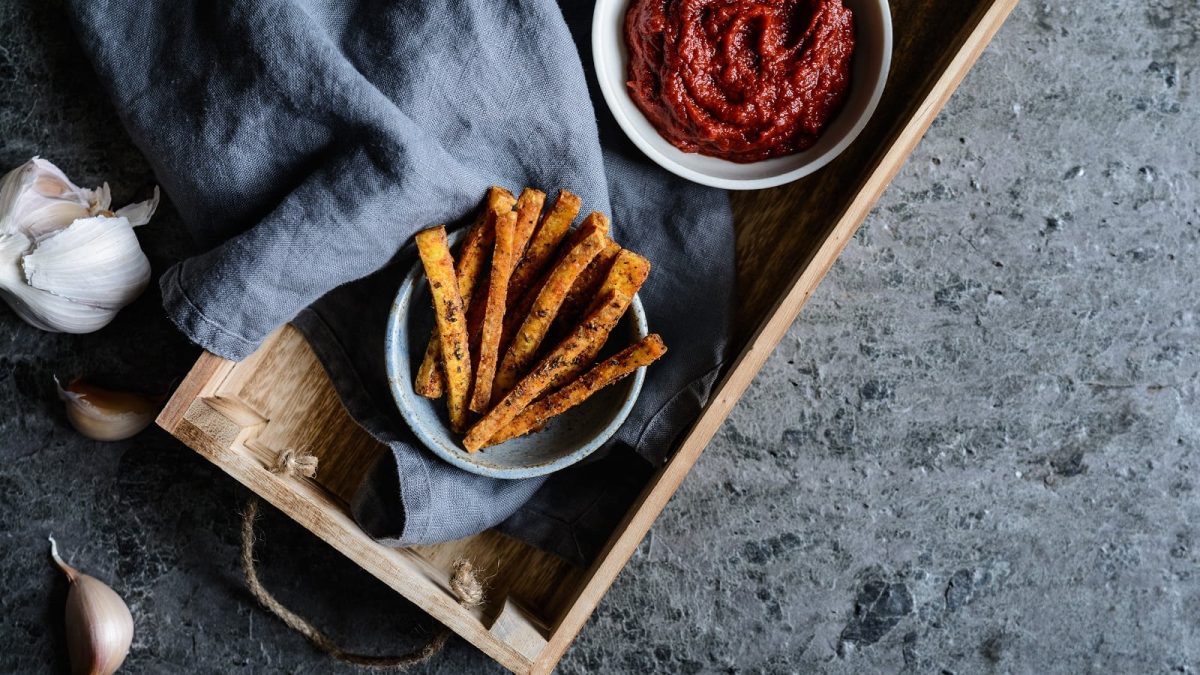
x=451, y=320
x=629, y=271
x=648, y=350
x=503, y=262
x=545, y=242
x=594, y=329
x=529, y=207
x=519, y=308
x=586, y=289
x=430, y=382
x=529, y=337
x=471, y=258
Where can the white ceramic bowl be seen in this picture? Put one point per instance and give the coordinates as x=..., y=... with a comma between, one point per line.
x=872, y=59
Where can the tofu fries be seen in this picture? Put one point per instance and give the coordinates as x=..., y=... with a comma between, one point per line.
x=451, y=321
x=518, y=331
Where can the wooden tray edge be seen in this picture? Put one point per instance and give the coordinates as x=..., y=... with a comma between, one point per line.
x=191, y=417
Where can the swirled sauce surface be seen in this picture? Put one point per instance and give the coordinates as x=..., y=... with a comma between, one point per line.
x=744, y=80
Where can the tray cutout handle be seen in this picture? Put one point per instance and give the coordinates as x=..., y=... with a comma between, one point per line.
x=519, y=628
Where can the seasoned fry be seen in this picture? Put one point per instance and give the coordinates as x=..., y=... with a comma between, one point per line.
x=611, y=370
x=594, y=330
x=586, y=289
x=503, y=262
x=471, y=259
x=430, y=381
x=544, y=243
x=451, y=320
x=529, y=337
x=529, y=207
x=519, y=308
x=628, y=273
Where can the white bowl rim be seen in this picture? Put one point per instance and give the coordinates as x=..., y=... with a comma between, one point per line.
x=620, y=109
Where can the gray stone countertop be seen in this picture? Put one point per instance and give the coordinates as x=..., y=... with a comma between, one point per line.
x=976, y=451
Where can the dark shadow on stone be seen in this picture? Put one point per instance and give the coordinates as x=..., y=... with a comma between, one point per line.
x=878, y=607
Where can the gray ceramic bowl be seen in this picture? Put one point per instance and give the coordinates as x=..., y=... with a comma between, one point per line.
x=568, y=438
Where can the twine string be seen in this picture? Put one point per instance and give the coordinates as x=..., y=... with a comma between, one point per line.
x=463, y=581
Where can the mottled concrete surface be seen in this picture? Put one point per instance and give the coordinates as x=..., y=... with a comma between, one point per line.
x=975, y=452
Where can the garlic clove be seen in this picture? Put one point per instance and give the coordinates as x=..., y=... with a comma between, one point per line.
x=37, y=199
x=99, y=625
x=39, y=308
x=106, y=415
x=75, y=280
x=94, y=261
x=53, y=217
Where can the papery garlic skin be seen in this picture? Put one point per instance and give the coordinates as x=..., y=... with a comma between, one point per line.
x=99, y=625
x=67, y=263
x=76, y=279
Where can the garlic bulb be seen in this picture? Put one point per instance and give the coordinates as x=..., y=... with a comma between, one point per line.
x=99, y=626
x=106, y=415
x=68, y=263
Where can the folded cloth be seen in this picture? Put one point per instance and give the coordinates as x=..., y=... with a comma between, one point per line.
x=304, y=142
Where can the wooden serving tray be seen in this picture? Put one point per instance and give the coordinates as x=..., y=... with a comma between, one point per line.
x=240, y=415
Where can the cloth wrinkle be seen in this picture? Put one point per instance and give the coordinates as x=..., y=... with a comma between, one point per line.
x=705, y=382
x=303, y=145
x=176, y=290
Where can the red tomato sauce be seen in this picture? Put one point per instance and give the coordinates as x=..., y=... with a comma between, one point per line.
x=743, y=80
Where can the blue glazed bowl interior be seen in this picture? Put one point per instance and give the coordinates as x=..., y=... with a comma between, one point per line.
x=567, y=439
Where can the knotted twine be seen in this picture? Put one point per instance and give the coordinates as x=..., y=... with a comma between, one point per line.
x=463, y=582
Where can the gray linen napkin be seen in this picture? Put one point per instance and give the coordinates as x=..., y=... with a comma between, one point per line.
x=304, y=142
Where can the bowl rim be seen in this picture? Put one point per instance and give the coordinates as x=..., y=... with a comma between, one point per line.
x=398, y=364
x=622, y=107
